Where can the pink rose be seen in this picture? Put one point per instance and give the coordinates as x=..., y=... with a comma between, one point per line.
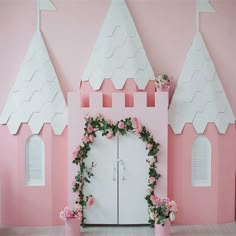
x=109, y=122
x=121, y=125
x=73, y=183
x=74, y=154
x=90, y=128
x=90, y=201
x=109, y=135
x=68, y=213
x=77, y=208
x=139, y=128
x=79, y=216
x=85, y=138
x=173, y=206
x=149, y=191
x=166, y=201
x=99, y=115
x=152, y=180
x=135, y=120
x=91, y=138
x=154, y=199
x=149, y=146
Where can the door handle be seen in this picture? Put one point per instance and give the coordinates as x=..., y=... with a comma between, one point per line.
x=122, y=163
x=114, y=172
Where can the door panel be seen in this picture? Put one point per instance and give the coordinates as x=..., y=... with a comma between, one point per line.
x=103, y=184
x=133, y=176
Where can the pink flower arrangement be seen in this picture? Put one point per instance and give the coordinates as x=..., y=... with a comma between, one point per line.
x=121, y=125
x=163, y=81
x=161, y=209
x=76, y=212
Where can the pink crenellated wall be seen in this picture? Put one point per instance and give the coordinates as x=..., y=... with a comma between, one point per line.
x=166, y=28
x=154, y=118
x=107, y=88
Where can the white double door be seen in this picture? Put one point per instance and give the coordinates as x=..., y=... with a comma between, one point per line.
x=120, y=181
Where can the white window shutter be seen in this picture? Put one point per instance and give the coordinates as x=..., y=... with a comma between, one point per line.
x=34, y=161
x=201, y=162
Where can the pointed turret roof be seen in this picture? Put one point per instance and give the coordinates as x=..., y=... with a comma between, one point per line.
x=199, y=97
x=36, y=97
x=118, y=53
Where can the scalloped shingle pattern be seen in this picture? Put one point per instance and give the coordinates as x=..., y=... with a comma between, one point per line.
x=199, y=97
x=36, y=97
x=118, y=53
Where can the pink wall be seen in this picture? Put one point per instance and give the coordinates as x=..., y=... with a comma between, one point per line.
x=24, y=205
x=166, y=28
x=203, y=205
x=70, y=36
x=8, y=175
x=226, y=177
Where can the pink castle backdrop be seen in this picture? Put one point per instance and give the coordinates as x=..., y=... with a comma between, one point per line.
x=166, y=29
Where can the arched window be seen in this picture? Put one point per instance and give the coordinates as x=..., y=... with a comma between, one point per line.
x=34, y=161
x=201, y=162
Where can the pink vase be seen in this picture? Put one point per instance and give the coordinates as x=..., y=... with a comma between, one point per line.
x=163, y=230
x=72, y=227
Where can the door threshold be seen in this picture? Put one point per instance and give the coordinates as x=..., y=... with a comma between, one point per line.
x=116, y=225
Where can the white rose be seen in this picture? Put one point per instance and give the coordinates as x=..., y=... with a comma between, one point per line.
x=172, y=216
x=151, y=216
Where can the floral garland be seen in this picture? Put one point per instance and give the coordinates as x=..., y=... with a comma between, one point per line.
x=108, y=129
